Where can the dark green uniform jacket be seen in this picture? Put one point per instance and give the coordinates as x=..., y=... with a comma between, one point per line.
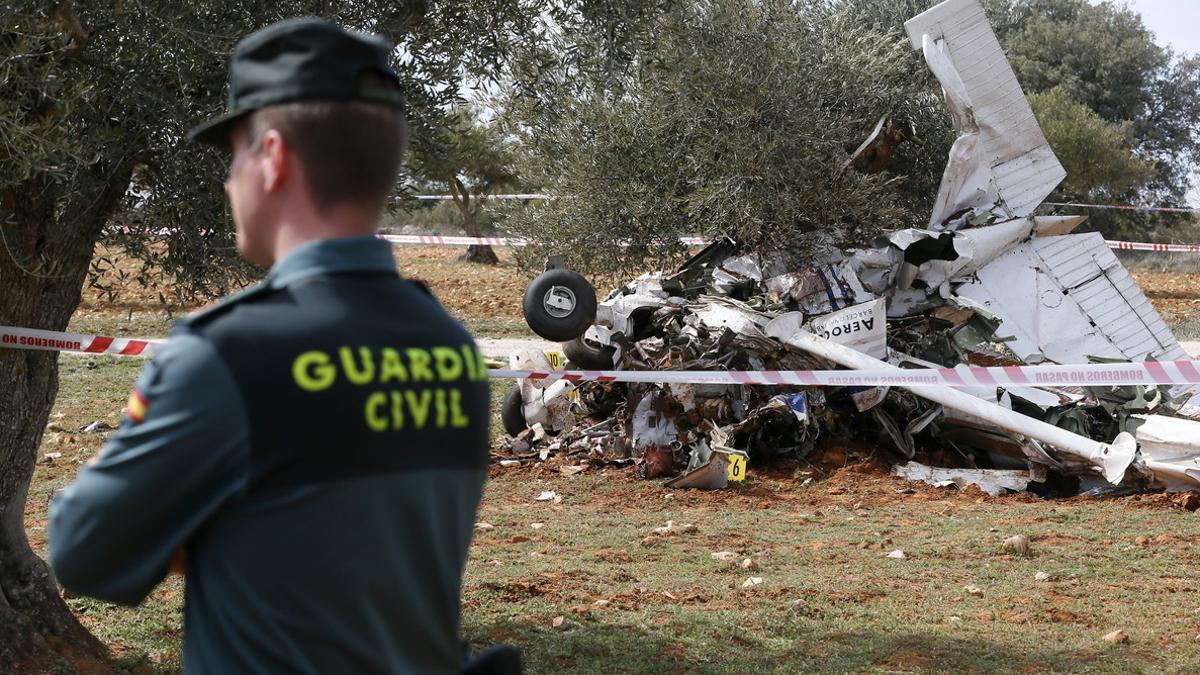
x=318, y=446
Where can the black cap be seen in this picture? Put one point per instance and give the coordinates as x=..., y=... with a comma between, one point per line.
x=303, y=60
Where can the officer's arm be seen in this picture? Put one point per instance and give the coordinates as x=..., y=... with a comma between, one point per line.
x=114, y=530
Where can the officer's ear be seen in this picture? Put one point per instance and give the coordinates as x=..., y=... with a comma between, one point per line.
x=274, y=158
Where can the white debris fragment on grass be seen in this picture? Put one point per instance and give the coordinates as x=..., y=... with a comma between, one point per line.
x=1116, y=637
x=1017, y=545
x=991, y=481
x=672, y=528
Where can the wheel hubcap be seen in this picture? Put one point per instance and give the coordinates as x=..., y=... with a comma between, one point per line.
x=559, y=302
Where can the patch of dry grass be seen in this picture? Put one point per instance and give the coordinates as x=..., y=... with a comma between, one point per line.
x=831, y=600
x=485, y=298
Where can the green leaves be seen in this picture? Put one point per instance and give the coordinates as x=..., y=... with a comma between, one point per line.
x=1097, y=155
x=94, y=93
x=735, y=120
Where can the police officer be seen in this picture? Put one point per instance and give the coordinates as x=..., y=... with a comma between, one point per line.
x=315, y=447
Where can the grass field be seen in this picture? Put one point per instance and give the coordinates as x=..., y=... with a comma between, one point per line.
x=590, y=590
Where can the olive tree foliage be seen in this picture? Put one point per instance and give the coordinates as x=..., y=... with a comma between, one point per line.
x=469, y=161
x=95, y=101
x=732, y=119
x=1096, y=154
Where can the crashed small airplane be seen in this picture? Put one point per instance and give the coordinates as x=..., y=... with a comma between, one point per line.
x=986, y=283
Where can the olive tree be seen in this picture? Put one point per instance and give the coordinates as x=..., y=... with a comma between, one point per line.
x=1101, y=55
x=470, y=160
x=734, y=119
x=1097, y=155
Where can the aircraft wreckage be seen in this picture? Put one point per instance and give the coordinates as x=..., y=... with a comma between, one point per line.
x=986, y=283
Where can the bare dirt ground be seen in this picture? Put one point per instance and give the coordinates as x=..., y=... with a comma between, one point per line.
x=1176, y=296
x=581, y=584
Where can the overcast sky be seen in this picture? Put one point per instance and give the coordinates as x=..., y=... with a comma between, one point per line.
x=1175, y=23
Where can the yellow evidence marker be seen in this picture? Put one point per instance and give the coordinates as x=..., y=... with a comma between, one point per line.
x=737, y=466
x=557, y=360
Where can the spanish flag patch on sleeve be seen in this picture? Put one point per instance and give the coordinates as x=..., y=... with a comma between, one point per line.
x=136, y=407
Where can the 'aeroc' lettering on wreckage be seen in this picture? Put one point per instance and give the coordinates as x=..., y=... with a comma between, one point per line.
x=848, y=328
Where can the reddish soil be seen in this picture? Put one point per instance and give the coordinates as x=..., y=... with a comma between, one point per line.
x=845, y=478
x=1176, y=296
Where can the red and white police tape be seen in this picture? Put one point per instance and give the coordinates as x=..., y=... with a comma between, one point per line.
x=440, y=240
x=32, y=338
x=1128, y=207
x=453, y=240
x=541, y=196
x=1099, y=374
x=1147, y=246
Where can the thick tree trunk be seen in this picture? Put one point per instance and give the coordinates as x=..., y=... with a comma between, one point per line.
x=476, y=253
x=44, y=257
x=481, y=253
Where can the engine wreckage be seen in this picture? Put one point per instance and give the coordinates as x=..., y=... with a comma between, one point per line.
x=986, y=283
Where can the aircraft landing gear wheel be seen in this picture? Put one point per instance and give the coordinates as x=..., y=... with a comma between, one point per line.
x=559, y=305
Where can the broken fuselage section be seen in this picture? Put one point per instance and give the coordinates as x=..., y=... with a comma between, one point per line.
x=986, y=283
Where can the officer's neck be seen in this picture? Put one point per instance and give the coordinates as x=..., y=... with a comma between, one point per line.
x=301, y=226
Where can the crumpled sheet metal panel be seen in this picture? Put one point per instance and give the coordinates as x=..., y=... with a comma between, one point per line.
x=717, y=313
x=545, y=404
x=975, y=248
x=651, y=427
x=1087, y=304
x=1170, y=450
x=992, y=481
x=1161, y=437
x=986, y=99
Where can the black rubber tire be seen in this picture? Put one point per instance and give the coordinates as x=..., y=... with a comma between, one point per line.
x=588, y=356
x=512, y=412
x=560, y=328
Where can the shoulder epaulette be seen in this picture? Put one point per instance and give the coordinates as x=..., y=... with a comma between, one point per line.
x=206, y=314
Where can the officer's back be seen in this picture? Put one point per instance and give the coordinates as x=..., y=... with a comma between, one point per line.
x=314, y=449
